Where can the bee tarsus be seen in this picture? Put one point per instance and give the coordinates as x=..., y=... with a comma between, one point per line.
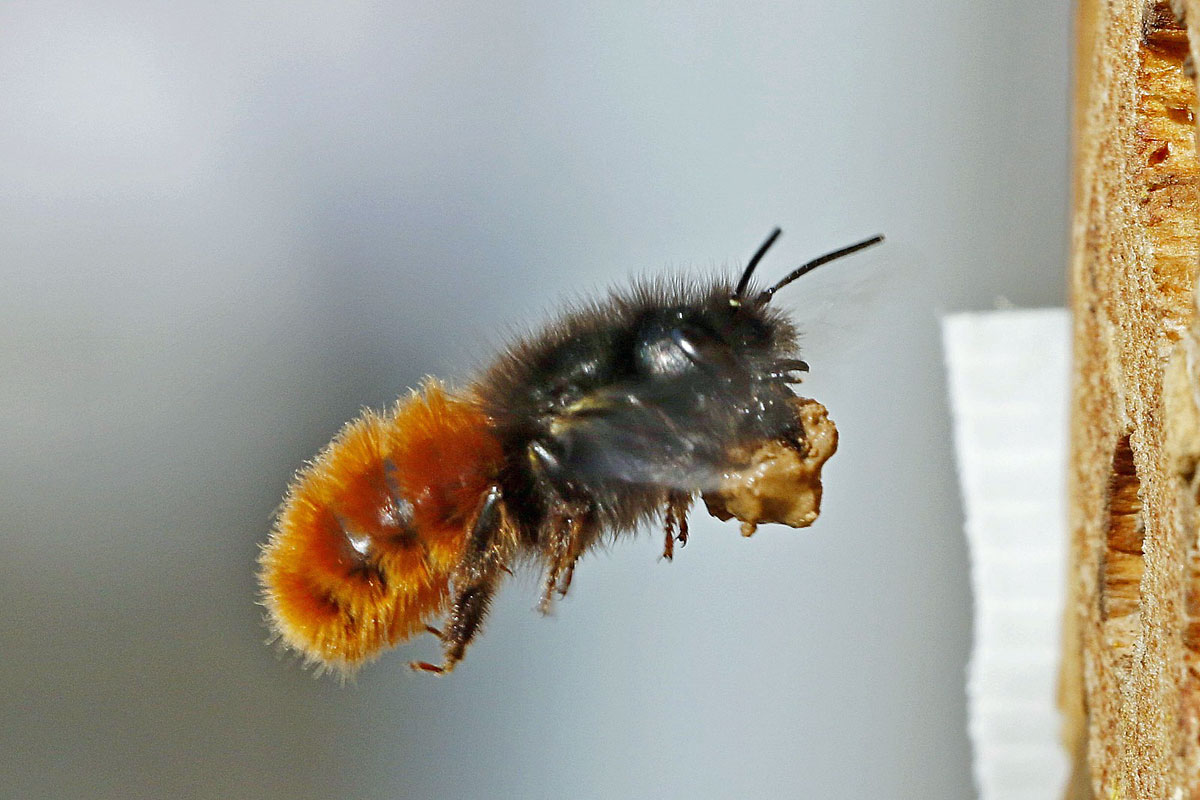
x=675, y=523
x=425, y=666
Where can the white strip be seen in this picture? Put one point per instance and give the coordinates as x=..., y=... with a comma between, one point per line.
x=1009, y=377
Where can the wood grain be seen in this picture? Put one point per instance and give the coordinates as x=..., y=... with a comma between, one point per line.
x=1130, y=688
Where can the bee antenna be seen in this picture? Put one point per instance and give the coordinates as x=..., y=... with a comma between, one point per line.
x=766, y=296
x=736, y=298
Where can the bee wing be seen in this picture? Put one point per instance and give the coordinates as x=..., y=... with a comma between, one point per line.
x=673, y=433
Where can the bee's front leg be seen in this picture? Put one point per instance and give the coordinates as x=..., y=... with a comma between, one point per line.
x=675, y=522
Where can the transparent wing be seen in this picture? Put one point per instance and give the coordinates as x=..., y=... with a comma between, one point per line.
x=675, y=433
x=846, y=312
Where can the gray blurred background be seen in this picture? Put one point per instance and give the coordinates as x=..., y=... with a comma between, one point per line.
x=225, y=227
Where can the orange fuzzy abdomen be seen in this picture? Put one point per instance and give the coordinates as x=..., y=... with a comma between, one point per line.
x=370, y=532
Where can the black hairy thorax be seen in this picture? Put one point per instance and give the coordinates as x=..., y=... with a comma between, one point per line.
x=616, y=406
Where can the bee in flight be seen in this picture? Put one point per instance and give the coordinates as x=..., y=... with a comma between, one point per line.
x=617, y=414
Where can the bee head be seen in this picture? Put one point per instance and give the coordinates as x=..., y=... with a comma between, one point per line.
x=726, y=334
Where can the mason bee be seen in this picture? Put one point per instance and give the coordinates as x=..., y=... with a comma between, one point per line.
x=618, y=414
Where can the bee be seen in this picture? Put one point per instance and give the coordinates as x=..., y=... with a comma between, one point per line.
x=618, y=414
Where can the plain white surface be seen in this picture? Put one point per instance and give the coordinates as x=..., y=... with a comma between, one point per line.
x=1009, y=374
x=228, y=226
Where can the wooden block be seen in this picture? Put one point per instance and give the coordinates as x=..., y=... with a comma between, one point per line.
x=1131, y=669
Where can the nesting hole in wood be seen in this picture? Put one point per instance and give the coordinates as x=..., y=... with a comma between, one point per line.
x=1170, y=171
x=1122, y=564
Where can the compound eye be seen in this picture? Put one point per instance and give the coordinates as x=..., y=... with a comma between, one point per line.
x=677, y=342
x=664, y=351
x=683, y=347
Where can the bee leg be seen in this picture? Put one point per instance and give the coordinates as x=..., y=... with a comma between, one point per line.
x=683, y=503
x=475, y=581
x=564, y=584
x=470, y=609
x=675, y=522
x=574, y=551
x=566, y=545
x=558, y=545
x=669, y=530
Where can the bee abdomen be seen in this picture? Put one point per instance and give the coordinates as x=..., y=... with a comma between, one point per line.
x=369, y=534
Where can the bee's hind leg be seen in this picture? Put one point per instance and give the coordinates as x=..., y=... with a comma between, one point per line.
x=475, y=581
